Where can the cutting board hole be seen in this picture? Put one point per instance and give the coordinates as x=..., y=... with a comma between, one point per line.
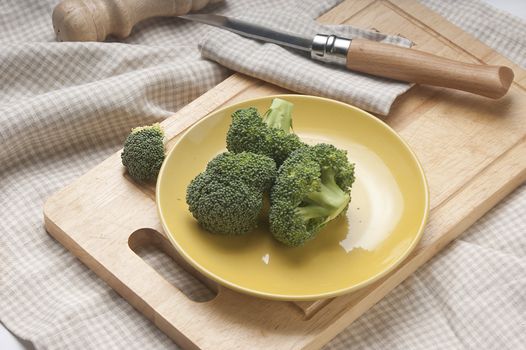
x=157, y=252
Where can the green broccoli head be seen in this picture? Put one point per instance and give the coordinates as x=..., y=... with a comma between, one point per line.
x=143, y=152
x=256, y=170
x=270, y=135
x=311, y=189
x=224, y=207
x=228, y=197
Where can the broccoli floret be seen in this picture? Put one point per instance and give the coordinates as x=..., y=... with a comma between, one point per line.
x=224, y=207
x=271, y=135
x=312, y=188
x=143, y=152
x=256, y=170
x=228, y=196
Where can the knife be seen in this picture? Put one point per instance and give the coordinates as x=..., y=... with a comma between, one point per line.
x=379, y=59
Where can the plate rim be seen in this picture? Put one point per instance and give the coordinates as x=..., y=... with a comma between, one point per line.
x=302, y=297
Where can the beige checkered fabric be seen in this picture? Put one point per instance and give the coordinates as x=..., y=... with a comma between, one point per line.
x=64, y=107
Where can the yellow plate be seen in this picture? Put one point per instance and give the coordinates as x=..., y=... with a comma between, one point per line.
x=384, y=222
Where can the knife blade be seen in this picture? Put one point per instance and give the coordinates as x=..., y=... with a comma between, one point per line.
x=327, y=48
x=375, y=58
x=253, y=31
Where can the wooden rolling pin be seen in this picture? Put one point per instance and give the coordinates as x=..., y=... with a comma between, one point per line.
x=94, y=20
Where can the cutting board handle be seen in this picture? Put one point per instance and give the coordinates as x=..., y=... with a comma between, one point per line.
x=94, y=20
x=420, y=67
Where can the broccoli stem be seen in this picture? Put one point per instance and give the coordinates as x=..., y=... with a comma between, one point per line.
x=328, y=202
x=279, y=115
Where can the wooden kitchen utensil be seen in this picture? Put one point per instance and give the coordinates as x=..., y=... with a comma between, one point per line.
x=94, y=20
x=472, y=149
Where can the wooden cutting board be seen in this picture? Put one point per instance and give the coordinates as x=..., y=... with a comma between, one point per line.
x=473, y=150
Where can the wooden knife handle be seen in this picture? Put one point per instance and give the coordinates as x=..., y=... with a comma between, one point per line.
x=94, y=20
x=395, y=62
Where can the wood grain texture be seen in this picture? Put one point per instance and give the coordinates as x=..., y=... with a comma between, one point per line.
x=95, y=20
x=472, y=149
x=390, y=61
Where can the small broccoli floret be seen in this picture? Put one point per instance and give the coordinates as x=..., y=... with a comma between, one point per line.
x=256, y=170
x=143, y=152
x=224, y=207
x=271, y=135
x=228, y=197
x=312, y=188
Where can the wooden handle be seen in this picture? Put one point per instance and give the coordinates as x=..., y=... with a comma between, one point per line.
x=415, y=66
x=94, y=20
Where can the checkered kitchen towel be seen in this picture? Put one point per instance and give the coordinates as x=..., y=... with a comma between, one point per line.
x=64, y=107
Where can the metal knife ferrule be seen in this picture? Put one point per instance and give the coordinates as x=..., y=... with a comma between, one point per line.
x=330, y=48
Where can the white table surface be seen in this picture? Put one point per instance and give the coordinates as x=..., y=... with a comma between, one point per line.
x=9, y=342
